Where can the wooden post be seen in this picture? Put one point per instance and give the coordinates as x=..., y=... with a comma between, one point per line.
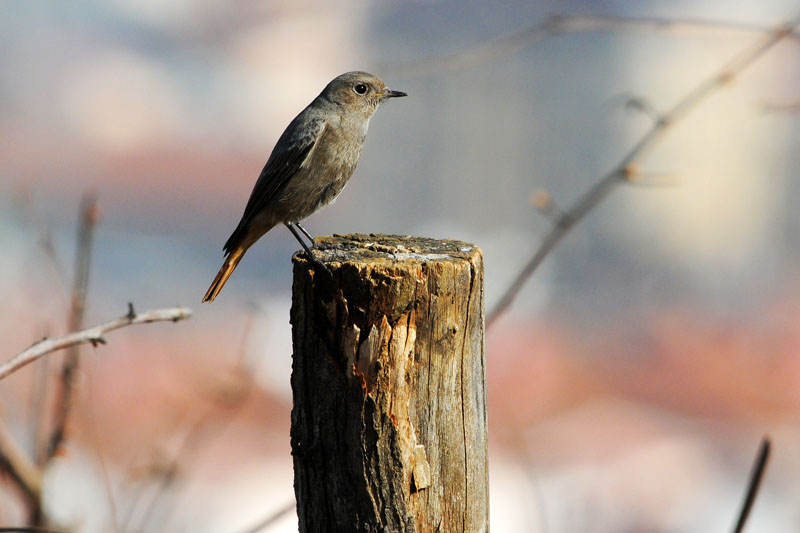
x=389, y=427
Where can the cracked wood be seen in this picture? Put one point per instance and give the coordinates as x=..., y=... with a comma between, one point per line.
x=389, y=429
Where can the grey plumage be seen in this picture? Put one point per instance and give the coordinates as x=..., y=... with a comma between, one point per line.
x=310, y=164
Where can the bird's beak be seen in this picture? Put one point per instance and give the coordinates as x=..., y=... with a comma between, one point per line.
x=388, y=93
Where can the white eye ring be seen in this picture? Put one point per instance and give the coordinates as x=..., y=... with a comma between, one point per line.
x=360, y=88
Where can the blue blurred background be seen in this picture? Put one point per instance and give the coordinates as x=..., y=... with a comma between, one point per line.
x=634, y=375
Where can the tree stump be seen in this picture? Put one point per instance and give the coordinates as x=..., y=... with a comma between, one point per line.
x=389, y=429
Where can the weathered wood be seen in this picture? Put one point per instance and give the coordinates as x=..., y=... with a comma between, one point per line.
x=389, y=429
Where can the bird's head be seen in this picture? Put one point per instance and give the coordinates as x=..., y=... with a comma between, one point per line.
x=359, y=90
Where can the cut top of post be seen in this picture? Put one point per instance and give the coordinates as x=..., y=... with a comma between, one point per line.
x=357, y=262
x=388, y=248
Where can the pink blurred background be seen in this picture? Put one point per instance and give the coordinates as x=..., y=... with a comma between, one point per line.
x=630, y=383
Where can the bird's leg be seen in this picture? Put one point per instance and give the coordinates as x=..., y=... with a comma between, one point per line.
x=297, y=236
x=307, y=234
x=310, y=255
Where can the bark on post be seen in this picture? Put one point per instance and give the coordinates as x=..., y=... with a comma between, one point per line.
x=389, y=429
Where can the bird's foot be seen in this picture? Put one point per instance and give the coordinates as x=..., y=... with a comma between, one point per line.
x=317, y=262
x=293, y=226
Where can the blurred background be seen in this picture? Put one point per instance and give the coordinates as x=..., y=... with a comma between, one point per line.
x=630, y=382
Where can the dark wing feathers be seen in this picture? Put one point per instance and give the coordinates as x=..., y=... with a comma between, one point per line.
x=289, y=153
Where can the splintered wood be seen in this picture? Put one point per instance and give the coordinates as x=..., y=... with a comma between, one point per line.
x=389, y=429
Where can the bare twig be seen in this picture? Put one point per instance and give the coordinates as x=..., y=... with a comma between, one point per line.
x=23, y=200
x=557, y=25
x=788, y=108
x=271, y=518
x=20, y=468
x=626, y=167
x=588, y=23
x=89, y=215
x=167, y=475
x=94, y=440
x=41, y=391
x=28, y=530
x=195, y=437
x=473, y=55
x=40, y=396
x=231, y=397
x=753, y=484
x=93, y=335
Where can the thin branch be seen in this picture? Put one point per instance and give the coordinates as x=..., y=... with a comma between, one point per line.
x=42, y=389
x=557, y=25
x=639, y=104
x=20, y=468
x=94, y=441
x=231, y=398
x=40, y=400
x=23, y=200
x=753, y=484
x=271, y=518
x=788, y=108
x=28, y=530
x=92, y=335
x=168, y=474
x=473, y=55
x=589, y=23
x=89, y=215
x=623, y=170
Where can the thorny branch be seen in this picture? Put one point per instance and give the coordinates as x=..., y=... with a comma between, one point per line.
x=92, y=335
x=626, y=169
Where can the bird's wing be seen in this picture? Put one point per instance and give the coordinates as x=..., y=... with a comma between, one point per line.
x=290, y=153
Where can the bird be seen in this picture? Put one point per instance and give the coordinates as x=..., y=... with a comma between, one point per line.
x=309, y=165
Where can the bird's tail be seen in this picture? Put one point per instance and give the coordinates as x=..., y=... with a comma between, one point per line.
x=224, y=273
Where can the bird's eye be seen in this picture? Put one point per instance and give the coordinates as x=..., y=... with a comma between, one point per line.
x=360, y=88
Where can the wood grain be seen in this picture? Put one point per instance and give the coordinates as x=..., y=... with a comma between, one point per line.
x=389, y=428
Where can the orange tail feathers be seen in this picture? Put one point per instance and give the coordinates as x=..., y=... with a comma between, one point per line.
x=224, y=273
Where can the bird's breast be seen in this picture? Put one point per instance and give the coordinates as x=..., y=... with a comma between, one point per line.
x=323, y=174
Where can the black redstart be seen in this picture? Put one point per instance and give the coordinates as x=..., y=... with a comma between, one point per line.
x=309, y=165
